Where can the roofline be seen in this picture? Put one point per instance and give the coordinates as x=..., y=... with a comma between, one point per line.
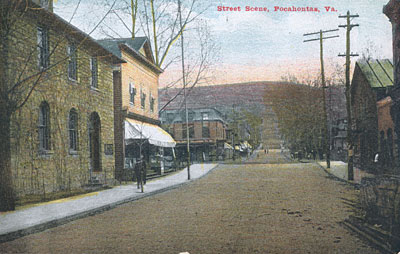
x=70, y=30
x=140, y=57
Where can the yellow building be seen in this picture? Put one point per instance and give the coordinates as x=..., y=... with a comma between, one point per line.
x=136, y=126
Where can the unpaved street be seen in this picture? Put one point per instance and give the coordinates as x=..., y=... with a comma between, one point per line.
x=278, y=207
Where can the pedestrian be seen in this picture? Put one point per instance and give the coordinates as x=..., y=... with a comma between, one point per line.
x=144, y=170
x=138, y=172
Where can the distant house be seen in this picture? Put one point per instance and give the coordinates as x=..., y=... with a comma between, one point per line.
x=137, y=128
x=372, y=124
x=207, y=132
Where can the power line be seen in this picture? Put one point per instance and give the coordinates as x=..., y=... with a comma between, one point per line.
x=321, y=40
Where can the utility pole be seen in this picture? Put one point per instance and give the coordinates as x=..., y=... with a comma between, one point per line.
x=348, y=54
x=321, y=40
x=184, y=90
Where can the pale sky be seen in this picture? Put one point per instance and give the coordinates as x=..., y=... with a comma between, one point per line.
x=257, y=46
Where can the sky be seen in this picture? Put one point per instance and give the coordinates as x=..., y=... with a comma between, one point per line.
x=264, y=46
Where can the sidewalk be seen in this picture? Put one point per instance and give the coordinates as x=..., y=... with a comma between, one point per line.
x=339, y=170
x=26, y=221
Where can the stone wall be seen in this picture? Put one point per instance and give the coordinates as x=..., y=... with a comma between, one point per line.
x=58, y=169
x=380, y=201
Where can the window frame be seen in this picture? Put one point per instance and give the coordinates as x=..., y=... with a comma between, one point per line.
x=73, y=130
x=143, y=99
x=44, y=127
x=132, y=93
x=94, y=72
x=43, y=47
x=72, y=69
x=152, y=102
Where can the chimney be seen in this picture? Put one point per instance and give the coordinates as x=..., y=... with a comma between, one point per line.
x=46, y=4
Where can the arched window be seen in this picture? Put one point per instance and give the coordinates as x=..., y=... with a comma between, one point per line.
x=44, y=126
x=73, y=130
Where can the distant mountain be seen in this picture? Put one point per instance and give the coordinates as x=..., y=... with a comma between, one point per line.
x=222, y=97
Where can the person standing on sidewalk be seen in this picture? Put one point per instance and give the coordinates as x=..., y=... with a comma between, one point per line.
x=138, y=172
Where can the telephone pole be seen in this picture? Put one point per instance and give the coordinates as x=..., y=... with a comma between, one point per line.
x=350, y=145
x=321, y=40
x=184, y=91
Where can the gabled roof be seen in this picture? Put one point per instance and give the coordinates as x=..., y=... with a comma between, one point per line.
x=134, y=47
x=379, y=73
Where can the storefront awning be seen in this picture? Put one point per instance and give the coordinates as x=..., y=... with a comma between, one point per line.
x=154, y=134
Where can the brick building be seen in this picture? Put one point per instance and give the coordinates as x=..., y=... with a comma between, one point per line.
x=207, y=132
x=62, y=138
x=136, y=124
x=372, y=125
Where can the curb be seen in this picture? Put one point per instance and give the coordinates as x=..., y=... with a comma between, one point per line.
x=58, y=222
x=356, y=185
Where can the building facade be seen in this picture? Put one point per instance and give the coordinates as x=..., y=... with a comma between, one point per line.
x=137, y=131
x=62, y=135
x=207, y=132
x=371, y=84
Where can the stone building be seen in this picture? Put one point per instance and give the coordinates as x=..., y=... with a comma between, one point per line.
x=207, y=132
x=62, y=136
x=372, y=128
x=137, y=129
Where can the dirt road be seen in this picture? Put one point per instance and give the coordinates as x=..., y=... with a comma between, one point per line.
x=278, y=207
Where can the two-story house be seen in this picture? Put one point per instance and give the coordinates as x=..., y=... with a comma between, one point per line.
x=137, y=128
x=207, y=132
x=62, y=130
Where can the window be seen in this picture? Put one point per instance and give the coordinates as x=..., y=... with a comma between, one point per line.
x=44, y=4
x=143, y=100
x=170, y=117
x=151, y=104
x=73, y=130
x=43, y=47
x=191, y=130
x=204, y=116
x=94, y=72
x=44, y=127
x=205, y=131
x=72, y=62
x=132, y=93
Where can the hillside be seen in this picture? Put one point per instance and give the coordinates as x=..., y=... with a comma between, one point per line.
x=240, y=95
